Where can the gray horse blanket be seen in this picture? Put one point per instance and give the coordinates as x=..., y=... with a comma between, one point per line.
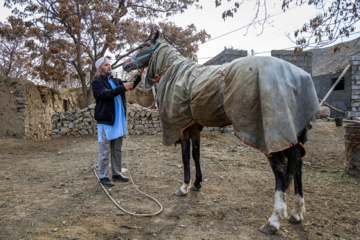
x=267, y=100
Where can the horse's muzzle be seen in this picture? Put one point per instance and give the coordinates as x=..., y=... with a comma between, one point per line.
x=129, y=65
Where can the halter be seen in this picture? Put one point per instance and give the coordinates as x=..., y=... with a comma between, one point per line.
x=150, y=52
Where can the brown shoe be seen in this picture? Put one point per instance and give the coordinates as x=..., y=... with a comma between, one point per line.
x=120, y=178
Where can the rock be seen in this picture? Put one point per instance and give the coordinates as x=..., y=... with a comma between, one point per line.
x=307, y=163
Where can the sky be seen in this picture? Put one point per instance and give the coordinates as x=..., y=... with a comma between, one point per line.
x=231, y=33
x=4, y=12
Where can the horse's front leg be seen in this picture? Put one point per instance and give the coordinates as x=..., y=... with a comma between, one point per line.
x=195, y=140
x=299, y=209
x=185, y=151
x=279, y=165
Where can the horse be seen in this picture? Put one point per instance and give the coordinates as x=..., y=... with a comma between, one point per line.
x=269, y=102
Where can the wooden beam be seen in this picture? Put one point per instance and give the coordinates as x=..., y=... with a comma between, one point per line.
x=337, y=81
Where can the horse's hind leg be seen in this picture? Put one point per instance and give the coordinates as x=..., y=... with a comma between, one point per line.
x=299, y=209
x=185, y=151
x=278, y=163
x=195, y=140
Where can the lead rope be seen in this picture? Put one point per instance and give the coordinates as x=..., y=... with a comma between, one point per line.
x=121, y=208
x=147, y=195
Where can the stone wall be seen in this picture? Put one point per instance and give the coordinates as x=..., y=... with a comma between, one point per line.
x=303, y=60
x=140, y=121
x=355, y=86
x=75, y=122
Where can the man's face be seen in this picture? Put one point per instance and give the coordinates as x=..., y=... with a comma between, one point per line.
x=105, y=68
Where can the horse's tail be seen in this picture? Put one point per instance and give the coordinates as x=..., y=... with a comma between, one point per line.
x=294, y=156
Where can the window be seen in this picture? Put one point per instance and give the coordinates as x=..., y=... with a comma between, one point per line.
x=340, y=85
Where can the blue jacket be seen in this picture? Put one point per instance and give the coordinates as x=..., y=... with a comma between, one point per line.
x=104, y=95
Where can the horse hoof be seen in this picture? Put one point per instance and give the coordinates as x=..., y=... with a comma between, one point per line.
x=295, y=219
x=193, y=188
x=268, y=229
x=180, y=192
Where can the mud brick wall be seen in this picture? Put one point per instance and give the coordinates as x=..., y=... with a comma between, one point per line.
x=12, y=108
x=355, y=85
x=303, y=60
x=140, y=121
x=26, y=109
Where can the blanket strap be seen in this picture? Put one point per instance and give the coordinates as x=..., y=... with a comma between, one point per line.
x=302, y=154
x=182, y=131
x=303, y=150
x=223, y=71
x=193, y=122
x=157, y=77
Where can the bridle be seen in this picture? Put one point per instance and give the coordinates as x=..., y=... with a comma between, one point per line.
x=150, y=52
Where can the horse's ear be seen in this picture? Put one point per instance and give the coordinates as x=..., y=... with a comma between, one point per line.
x=153, y=40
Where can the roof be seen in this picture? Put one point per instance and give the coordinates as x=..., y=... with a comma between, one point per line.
x=325, y=61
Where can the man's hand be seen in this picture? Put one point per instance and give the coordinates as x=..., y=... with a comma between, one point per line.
x=128, y=85
x=141, y=70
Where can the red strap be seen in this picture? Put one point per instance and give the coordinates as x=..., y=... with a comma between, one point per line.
x=182, y=131
x=156, y=78
x=223, y=71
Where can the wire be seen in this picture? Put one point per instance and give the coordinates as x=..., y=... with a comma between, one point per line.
x=262, y=41
x=222, y=35
x=279, y=49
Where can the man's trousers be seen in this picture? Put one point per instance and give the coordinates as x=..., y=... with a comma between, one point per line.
x=107, y=148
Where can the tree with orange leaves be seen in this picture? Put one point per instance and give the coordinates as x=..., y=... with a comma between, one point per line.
x=13, y=57
x=68, y=36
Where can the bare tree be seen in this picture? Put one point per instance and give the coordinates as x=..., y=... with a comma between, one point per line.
x=336, y=19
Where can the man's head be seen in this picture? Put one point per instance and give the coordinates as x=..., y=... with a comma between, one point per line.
x=103, y=66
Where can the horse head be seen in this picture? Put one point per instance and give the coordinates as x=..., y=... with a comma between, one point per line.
x=141, y=58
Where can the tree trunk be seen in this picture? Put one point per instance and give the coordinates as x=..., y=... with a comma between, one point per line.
x=84, y=92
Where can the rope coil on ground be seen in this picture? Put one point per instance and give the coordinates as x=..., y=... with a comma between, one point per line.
x=121, y=208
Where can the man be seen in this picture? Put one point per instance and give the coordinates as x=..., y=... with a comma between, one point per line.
x=110, y=114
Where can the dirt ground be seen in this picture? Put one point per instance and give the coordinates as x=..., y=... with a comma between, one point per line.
x=49, y=191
